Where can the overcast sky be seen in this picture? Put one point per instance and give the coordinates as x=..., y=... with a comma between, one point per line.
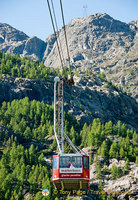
x=32, y=16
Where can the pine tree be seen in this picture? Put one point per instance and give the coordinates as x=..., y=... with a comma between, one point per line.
x=135, y=138
x=100, y=186
x=122, y=153
x=108, y=128
x=42, y=118
x=104, y=150
x=136, y=160
x=123, y=130
x=84, y=135
x=98, y=170
x=73, y=135
x=38, y=196
x=115, y=171
x=126, y=166
x=32, y=154
x=22, y=174
x=28, y=133
x=7, y=195
x=113, y=153
x=119, y=128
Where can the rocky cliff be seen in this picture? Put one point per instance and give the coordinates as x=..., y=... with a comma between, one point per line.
x=88, y=99
x=98, y=43
x=14, y=41
x=101, y=44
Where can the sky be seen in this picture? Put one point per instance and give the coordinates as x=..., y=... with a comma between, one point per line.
x=32, y=16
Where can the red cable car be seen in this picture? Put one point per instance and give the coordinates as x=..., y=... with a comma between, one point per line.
x=71, y=171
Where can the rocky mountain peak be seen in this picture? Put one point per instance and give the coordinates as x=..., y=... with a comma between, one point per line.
x=97, y=43
x=14, y=41
x=32, y=45
x=10, y=34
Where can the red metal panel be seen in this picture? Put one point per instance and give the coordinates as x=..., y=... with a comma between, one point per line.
x=55, y=174
x=85, y=171
x=56, y=171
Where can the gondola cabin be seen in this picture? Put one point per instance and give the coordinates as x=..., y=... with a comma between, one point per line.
x=71, y=171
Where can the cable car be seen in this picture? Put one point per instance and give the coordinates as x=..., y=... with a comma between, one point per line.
x=71, y=171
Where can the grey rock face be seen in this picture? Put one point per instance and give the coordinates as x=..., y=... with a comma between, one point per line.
x=18, y=88
x=87, y=100
x=34, y=47
x=123, y=187
x=10, y=34
x=14, y=41
x=98, y=42
x=97, y=37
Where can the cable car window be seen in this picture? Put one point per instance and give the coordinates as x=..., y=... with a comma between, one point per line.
x=64, y=161
x=86, y=162
x=55, y=163
x=77, y=161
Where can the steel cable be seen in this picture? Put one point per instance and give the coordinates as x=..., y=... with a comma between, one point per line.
x=55, y=33
x=65, y=34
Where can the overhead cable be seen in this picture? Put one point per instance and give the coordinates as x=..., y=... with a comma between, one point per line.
x=55, y=32
x=65, y=33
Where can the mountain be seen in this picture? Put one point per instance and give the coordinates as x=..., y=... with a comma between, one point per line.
x=16, y=42
x=99, y=46
x=98, y=43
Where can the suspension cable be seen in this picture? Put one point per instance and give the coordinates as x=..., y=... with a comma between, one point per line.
x=54, y=32
x=65, y=34
x=57, y=31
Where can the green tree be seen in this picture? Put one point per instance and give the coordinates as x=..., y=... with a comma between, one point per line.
x=108, y=128
x=115, y=171
x=122, y=153
x=135, y=138
x=22, y=174
x=28, y=133
x=7, y=195
x=100, y=186
x=38, y=196
x=119, y=128
x=98, y=170
x=113, y=153
x=32, y=154
x=104, y=150
x=73, y=135
x=136, y=159
x=126, y=167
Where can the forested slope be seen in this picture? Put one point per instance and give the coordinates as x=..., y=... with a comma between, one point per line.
x=26, y=129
